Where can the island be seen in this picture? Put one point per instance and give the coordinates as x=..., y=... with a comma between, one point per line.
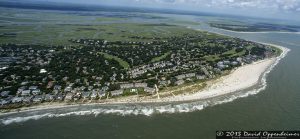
x=129, y=63
x=254, y=27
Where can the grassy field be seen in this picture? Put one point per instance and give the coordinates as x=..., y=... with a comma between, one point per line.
x=121, y=61
x=56, y=27
x=133, y=91
x=156, y=59
x=60, y=34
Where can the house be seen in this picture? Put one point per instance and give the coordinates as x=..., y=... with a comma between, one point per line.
x=234, y=63
x=86, y=94
x=55, y=92
x=4, y=102
x=179, y=82
x=94, y=94
x=221, y=65
x=5, y=93
x=180, y=77
x=25, y=93
x=27, y=99
x=189, y=75
x=21, y=89
x=33, y=87
x=140, y=85
x=239, y=59
x=149, y=90
x=59, y=97
x=226, y=62
x=57, y=87
x=38, y=98
x=24, y=83
x=77, y=95
x=49, y=97
x=43, y=71
x=90, y=88
x=200, y=77
x=217, y=70
x=105, y=88
x=163, y=83
x=128, y=85
x=36, y=92
x=17, y=99
x=117, y=92
x=133, y=90
x=101, y=93
x=69, y=97
x=82, y=88
x=68, y=89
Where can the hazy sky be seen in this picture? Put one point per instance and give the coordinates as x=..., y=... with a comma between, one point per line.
x=263, y=8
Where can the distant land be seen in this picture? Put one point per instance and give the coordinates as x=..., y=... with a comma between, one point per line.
x=256, y=27
x=79, y=7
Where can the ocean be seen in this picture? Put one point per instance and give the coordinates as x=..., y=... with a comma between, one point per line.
x=273, y=104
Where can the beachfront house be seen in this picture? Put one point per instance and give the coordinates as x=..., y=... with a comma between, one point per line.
x=86, y=94
x=38, y=98
x=4, y=102
x=33, y=87
x=17, y=99
x=94, y=94
x=57, y=87
x=69, y=97
x=200, y=77
x=27, y=99
x=5, y=93
x=180, y=77
x=149, y=90
x=60, y=97
x=49, y=97
x=68, y=89
x=101, y=93
x=25, y=93
x=117, y=92
x=127, y=85
x=36, y=92
x=140, y=85
x=179, y=82
x=189, y=75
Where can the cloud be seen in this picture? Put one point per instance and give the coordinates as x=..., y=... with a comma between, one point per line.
x=284, y=5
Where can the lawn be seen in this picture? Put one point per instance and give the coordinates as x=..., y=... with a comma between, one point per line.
x=121, y=61
x=156, y=59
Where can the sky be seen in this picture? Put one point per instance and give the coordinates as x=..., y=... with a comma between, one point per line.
x=284, y=9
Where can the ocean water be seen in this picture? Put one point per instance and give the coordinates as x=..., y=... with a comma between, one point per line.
x=273, y=104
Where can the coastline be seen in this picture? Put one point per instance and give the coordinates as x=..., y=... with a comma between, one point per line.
x=239, y=79
x=259, y=32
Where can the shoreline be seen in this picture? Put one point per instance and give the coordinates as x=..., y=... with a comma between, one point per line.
x=239, y=79
x=259, y=32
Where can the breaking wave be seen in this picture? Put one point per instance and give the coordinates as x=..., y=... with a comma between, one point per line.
x=146, y=110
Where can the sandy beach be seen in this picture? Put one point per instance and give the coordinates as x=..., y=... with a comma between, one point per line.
x=241, y=78
x=258, y=32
